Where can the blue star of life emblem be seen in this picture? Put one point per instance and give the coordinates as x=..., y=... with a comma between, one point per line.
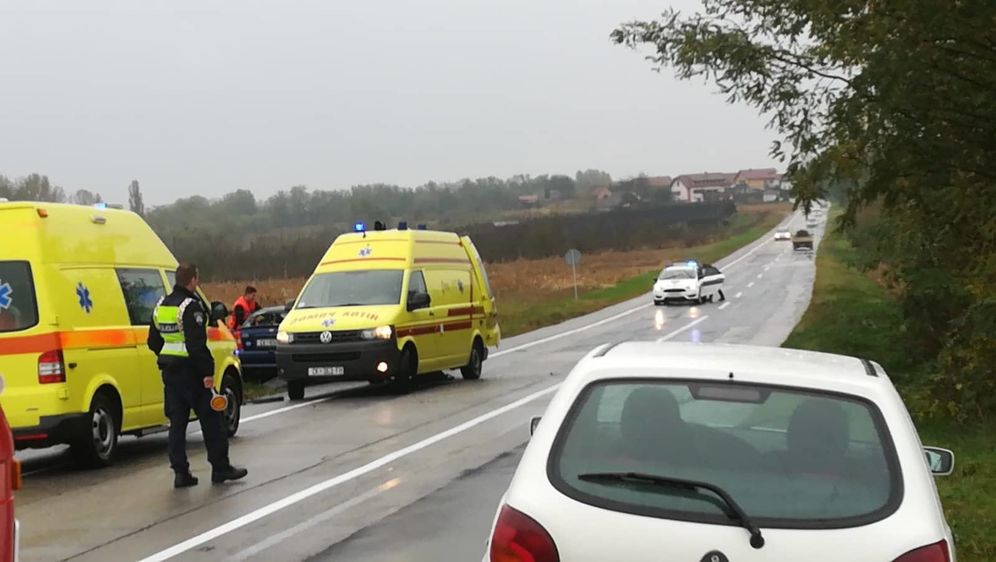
x=6, y=296
x=328, y=322
x=365, y=252
x=84, y=296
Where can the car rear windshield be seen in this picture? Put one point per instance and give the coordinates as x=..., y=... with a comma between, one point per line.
x=677, y=273
x=352, y=288
x=791, y=458
x=18, y=307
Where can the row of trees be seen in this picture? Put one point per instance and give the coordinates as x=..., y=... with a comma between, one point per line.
x=36, y=187
x=896, y=101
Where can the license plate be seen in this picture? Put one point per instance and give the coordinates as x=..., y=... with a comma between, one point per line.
x=326, y=371
x=266, y=343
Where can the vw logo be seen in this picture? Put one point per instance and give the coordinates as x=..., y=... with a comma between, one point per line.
x=326, y=337
x=715, y=556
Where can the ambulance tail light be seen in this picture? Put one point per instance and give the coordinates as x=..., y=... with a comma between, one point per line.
x=51, y=367
x=519, y=538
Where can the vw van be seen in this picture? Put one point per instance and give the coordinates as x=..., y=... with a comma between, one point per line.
x=386, y=306
x=77, y=289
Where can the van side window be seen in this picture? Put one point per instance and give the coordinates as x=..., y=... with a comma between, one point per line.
x=484, y=274
x=142, y=289
x=416, y=284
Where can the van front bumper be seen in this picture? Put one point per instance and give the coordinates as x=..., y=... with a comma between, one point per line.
x=51, y=430
x=358, y=360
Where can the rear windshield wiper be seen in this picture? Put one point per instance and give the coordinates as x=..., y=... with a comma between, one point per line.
x=736, y=512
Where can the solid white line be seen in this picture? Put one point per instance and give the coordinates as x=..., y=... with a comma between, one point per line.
x=724, y=305
x=681, y=329
x=298, y=497
x=571, y=332
x=743, y=257
x=749, y=285
x=738, y=295
x=276, y=539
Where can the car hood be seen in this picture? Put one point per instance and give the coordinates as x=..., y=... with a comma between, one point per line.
x=339, y=318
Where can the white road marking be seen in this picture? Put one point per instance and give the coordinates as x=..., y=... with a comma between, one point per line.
x=760, y=275
x=371, y=466
x=749, y=285
x=767, y=267
x=681, y=329
x=274, y=540
x=571, y=332
x=738, y=295
x=724, y=305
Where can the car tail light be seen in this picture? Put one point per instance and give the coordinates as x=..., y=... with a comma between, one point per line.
x=518, y=538
x=937, y=552
x=51, y=367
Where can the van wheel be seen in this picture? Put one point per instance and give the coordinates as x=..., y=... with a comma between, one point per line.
x=233, y=411
x=472, y=370
x=295, y=390
x=404, y=379
x=98, y=438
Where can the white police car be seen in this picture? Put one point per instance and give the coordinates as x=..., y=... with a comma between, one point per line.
x=688, y=281
x=710, y=452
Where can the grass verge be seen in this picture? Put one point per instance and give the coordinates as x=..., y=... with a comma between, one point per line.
x=851, y=314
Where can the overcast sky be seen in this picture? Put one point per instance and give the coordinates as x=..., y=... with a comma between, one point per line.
x=206, y=96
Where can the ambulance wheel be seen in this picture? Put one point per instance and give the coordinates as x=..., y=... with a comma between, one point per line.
x=233, y=411
x=97, y=441
x=472, y=370
x=403, y=381
x=295, y=390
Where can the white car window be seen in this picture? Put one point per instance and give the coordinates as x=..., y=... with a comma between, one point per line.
x=790, y=458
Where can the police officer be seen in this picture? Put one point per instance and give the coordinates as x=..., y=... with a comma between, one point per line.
x=178, y=335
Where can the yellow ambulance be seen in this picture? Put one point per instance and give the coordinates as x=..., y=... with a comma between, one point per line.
x=387, y=305
x=77, y=289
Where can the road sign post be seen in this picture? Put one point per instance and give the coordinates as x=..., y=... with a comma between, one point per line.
x=573, y=258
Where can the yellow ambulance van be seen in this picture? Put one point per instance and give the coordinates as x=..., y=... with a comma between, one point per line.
x=387, y=305
x=77, y=289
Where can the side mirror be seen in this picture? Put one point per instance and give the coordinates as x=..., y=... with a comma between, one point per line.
x=218, y=311
x=418, y=300
x=940, y=461
x=533, y=424
x=289, y=305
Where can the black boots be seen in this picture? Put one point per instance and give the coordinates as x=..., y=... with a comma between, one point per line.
x=228, y=473
x=184, y=480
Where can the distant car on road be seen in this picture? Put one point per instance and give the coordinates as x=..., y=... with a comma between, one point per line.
x=724, y=452
x=688, y=281
x=258, y=343
x=802, y=240
x=783, y=234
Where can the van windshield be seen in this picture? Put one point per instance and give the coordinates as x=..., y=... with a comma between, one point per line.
x=352, y=288
x=18, y=307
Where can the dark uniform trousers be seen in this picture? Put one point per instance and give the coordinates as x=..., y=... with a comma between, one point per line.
x=184, y=391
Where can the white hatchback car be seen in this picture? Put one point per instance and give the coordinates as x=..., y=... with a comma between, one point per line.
x=688, y=281
x=724, y=453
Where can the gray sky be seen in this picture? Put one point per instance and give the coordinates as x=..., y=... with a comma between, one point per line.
x=206, y=96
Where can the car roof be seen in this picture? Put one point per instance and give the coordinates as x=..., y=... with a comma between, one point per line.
x=766, y=365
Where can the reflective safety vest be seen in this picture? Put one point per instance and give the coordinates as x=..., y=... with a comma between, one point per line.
x=169, y=322
x=241, y=301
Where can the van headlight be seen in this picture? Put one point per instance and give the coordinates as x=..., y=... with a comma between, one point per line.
x=378, y=333
x=285, y=337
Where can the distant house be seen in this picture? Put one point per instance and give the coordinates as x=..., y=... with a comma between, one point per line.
x=529, y=201
x=613, y=201
x=660, y=182
x=601, y=193
x=709, y=186
x=760, y=179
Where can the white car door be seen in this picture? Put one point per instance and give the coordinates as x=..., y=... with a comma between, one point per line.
x=712, y=281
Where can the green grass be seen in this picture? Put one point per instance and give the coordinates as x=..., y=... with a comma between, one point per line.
x=852, y=314
x=519, y=320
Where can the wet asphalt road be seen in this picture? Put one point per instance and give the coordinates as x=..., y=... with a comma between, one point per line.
x=357, y=474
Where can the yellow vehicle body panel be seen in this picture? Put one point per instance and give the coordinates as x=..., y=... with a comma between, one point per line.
x=83, y=281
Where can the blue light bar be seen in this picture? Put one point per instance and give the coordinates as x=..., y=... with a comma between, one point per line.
x=422, y=227
x=359, y=227
x=100, y=205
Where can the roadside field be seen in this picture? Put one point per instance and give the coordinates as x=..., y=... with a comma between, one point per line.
x=853, y=314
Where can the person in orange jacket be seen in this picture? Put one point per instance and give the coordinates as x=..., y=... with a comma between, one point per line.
x=243, y=308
